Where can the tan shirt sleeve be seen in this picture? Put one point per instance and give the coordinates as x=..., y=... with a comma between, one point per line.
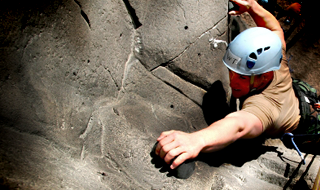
x=277, y=107
x=262, y=108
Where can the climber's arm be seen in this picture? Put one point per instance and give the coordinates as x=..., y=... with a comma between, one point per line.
x=236, y=125
x=180, y=146
x=262, y=17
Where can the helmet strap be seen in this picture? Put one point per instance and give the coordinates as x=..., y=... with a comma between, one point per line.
x=251, y=83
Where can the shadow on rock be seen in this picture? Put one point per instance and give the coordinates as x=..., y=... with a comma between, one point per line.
x=214, y=104
x=184, y=171
x=216, y=107
x=237, y=153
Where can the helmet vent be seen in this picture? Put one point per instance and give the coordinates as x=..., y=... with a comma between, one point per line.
x=266, y=48
x=259, y=51
x=253, y=56
x=250, y=64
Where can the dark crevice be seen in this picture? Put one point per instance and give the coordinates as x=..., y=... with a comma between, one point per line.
x=186, y=76
x=83, y=14
x=78, y=3
x=190, y=77
x=135, y=20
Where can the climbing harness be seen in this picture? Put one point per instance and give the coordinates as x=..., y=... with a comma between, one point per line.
x=309, y=125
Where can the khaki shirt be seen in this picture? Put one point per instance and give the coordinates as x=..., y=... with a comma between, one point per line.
x=277, y=107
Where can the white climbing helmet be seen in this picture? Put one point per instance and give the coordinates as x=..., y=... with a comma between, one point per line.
x=254, y=51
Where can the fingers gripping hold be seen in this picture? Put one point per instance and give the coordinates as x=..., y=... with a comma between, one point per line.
x=180, y=168
x=165, y=134
x=168, y=148
x=163, y=140
x=172, y=154
x=179, y=160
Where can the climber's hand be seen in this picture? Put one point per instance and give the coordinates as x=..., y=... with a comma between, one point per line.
x=177, y=147
x=244, y=6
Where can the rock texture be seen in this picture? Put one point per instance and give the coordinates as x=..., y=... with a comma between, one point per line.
x=86, y=87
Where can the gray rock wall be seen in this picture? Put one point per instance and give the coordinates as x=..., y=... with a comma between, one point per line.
x=60, y=58
x=86, y=87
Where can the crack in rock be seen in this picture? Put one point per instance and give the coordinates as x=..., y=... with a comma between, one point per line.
x=132, y=12
x=113, y=79
x=192, y=43
x=83, y=14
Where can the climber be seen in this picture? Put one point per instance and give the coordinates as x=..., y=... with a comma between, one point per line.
x=258, y=78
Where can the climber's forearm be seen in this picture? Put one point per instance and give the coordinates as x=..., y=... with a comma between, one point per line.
x=226, y=131
x=263, y=18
